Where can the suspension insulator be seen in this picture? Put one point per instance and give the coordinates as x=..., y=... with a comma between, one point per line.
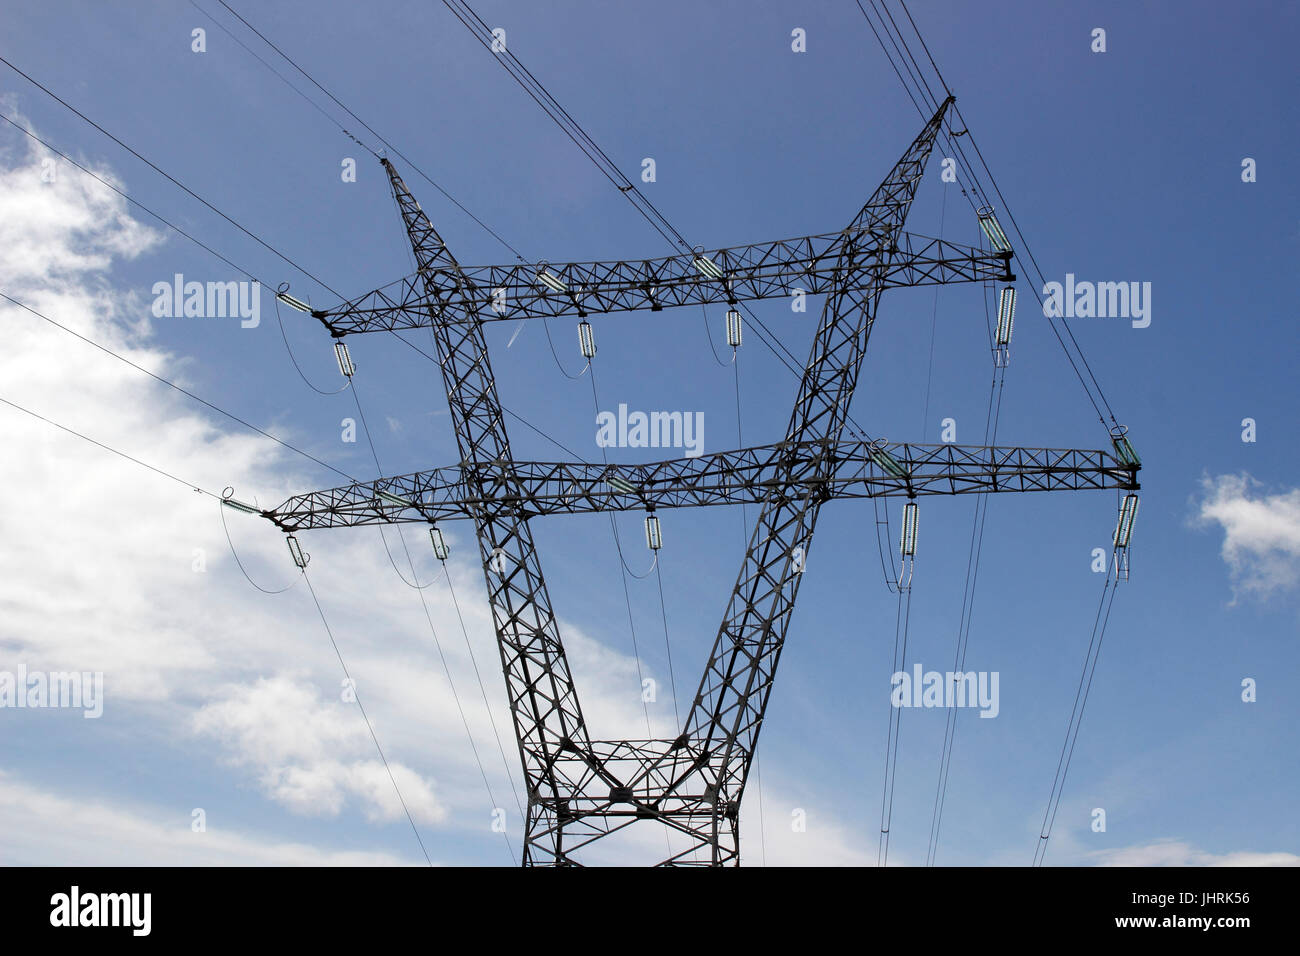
x=907, y=545
x=992, y=229
x=1127, y=518
x=586, y=340
x=395, y=500
x=887, y=462
x=654, y=538
x=1006, y=315
x=240, y=506
x=293, y=303
x=1124, y=448
x=733, y=328
x=440, y=549
x=295, y=552
x=621, y=485
x=551, y=281
x=345, y=359
x=707, y=267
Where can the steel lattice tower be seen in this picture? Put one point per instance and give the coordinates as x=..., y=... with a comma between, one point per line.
x=579, y=789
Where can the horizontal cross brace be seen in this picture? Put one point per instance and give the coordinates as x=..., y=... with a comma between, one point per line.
x=742, y=273
x=861, y=470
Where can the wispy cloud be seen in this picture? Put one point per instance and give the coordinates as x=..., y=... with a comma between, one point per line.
x=39, y=827
x=1177, y=853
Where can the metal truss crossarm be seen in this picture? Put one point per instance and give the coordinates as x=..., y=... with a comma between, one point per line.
x=745, y=476
x=743, y=274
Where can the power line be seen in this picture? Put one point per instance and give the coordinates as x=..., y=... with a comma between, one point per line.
x=902, y=622
x=950, y=140
x=908, y=50
x=571, y=128
x=405, y=159
x=178, y=388
x=240, y=564
x=284, y=79
x=1100, y=622
x=366, y=125
x=219, y=499
x=704, y=311
x=166, y=222
x=109, y=448
x=744, y=520
x=623, y=570
x=591, y=150
x=437, y=643
x=292, y=358
x=451, y=589
x=574, y=130
x=1099, y=401
x=1081, y=695
x=167, y=175
x=240, y=270
x=926, y=48
x=252, y=277
x=366, y=717
x=974, y=555
x=173, y=385
x=1042, y=279
x=917, y=74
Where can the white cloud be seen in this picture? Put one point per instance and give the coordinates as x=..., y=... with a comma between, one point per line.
x=123, y=572
x=824, y=841
x=1261, y=542
x=67, y=228
x=41, y=828
x=1178, y=853
x=311, y=754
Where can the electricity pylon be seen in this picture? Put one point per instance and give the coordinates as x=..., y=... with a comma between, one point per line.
x=581, y=790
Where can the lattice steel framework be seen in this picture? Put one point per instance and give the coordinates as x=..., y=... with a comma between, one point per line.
x=579, y=789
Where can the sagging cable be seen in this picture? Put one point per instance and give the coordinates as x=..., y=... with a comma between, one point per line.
x=227, y=501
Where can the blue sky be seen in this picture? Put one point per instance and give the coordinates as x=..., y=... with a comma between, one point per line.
x=1119, y=166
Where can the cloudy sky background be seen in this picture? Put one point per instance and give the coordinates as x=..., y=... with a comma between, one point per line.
x=222, y=698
